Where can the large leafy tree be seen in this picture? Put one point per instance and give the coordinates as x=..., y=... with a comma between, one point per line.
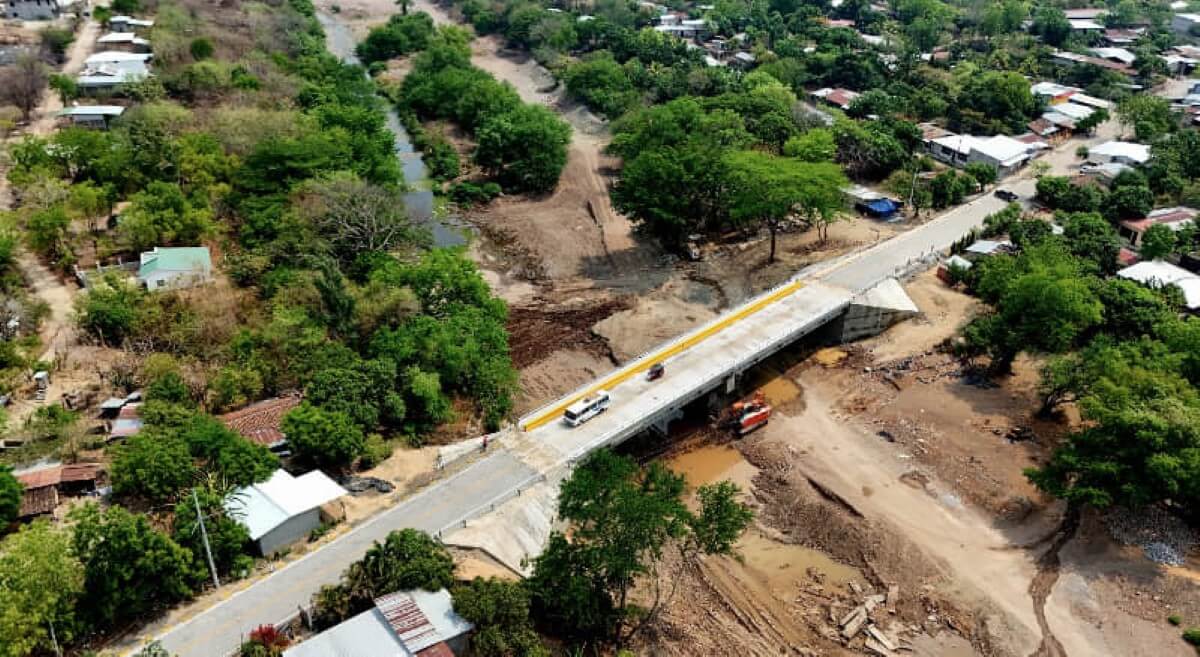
x=1141, y=444
x=499, y=610
x=1158, y=242
x=152, y=465
x=1043, y=300
x=327, y=438
x=622, y=520
x=765, y=190
x=526, y=148
x=40, y=584
x=1093, y=239
x=129, y=567
x=406, y=559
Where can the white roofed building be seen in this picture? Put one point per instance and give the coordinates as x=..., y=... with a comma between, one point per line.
x=283, y=509
x=124, y=41
x=404, y=624
x=1122, y=152
x=1159, y=274
x=1004, y=153
x=91, y=116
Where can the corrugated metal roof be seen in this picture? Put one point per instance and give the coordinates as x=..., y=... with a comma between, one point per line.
x=59, y=474
x=263, y=507
x=407, y=621
x=38, y=501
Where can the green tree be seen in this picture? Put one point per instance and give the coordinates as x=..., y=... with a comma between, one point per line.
x=766, y=189
x=11, y=492
x=1139, y=445
x=1130, y=202
x=1051, y=24
x=815, y=145
x=129, y=567
x=1002, y=97
x=227, y=538
x=65, y=86
x=40, y=585
x=499, y=610
x=984, y=174
x=406, y=559
x=201, y=48
x=1158, y=242
x=1088, y=124
x=1150, y=117
x=152, y=465
x=1090, y=237
x=526, y=148
x=162, y=215
x=1043, y=300
x=622, y=520
x=329, y=439
x=601, y=82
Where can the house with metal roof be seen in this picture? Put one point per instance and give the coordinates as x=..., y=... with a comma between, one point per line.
x=1001, y=152
x=129, y=41
x=404, y=624
x=1176, y=218
x=175, y=267
x=91, y=116
x=1123, y=152
x=129, y=24
x=1159, y=274
x=283, y=509
x=37, y=10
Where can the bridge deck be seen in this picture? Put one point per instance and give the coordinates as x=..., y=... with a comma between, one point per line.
x=695, y=364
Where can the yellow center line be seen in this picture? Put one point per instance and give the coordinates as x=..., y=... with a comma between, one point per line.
x=621, y=375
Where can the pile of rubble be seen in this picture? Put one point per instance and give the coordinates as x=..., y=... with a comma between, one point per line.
x=1163, y=537
x=871, y=621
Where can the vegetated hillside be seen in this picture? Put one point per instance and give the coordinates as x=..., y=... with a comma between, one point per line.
x=252, y=141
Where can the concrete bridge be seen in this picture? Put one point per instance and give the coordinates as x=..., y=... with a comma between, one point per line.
x=505, y=502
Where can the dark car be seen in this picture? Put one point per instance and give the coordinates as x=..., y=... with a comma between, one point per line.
x=1005, y=195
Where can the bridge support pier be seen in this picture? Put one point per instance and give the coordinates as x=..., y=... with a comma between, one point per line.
x=660, y=425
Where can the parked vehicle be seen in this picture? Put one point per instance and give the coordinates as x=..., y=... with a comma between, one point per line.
x=655, y=372
x=586, y=408
x=1006, y=195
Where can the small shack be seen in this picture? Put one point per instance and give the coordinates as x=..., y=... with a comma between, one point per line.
x=175, y=267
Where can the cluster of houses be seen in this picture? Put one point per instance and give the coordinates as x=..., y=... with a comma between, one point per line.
x=1065, y=108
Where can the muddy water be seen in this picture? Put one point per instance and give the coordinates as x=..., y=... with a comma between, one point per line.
x=447, y=231
x=781, y=567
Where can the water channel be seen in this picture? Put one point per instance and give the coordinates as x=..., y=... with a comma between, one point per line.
x=446, y=230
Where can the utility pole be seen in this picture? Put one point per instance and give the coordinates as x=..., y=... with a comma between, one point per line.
x=204, y=535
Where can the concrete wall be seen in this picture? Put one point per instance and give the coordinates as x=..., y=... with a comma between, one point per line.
x=293, y=531
x=873, y=312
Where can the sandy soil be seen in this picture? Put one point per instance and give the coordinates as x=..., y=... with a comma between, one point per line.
x=406, y=468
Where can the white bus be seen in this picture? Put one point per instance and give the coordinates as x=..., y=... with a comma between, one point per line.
x=586, y=408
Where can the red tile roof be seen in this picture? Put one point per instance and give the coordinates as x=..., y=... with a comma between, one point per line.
x=260, y=422
x=1127, y=257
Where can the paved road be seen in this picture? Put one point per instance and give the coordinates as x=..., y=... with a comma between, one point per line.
x=220, y=629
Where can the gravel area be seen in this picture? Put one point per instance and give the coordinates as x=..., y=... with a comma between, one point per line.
x=1162, y=536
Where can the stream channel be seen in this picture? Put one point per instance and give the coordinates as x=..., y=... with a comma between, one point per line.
x=446, y=230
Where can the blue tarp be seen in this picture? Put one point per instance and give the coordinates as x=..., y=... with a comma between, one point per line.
x=880, y=207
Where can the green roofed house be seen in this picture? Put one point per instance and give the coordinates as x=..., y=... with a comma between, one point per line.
x=175, y=267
